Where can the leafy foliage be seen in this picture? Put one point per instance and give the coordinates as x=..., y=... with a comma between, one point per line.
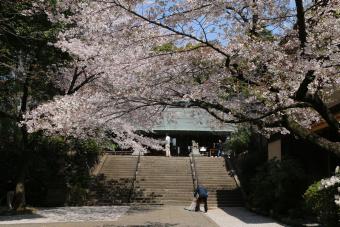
x=59, y=170
x=239, y=141
x=277, y=186
x=321, y=202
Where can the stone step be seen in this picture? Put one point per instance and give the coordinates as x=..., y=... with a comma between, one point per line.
x=164, y=178
x=213, y=174
x=166, y=184
x=166, y=196
x=217, y=184
x=152, y=170
x=114, y=160
x=164, y=201
x=120, y=170
x=164, y=158
x=164, y=170
x=163, y=186
x=165, y=181
x=160, y=192
x=178, y=189
x=167, y=163
x=104, y=171
x=130, y=174
x=217, y=189
x=213, y=177
x=189, y=194
x=224, y=200
x=115, y=180
x=117, y=165
x=119, y=175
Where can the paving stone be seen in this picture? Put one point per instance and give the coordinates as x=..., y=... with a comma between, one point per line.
x=240, y=217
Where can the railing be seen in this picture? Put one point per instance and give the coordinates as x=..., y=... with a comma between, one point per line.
x=233, y=172
x=95, y=169
x=134, y=178
x=194, y=171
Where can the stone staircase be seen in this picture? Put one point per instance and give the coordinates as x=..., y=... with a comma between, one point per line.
x=164, y=180
x=113, y=182
x=213, y=174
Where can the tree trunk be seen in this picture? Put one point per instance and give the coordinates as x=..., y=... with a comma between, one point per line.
x=20, y=192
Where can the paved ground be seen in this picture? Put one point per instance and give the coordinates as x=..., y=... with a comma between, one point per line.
x=68, y=214
x=239, y=217
x=150, y=216
x=155, y=216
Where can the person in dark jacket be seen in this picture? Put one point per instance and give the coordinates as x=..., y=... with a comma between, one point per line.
x=219, y=147
x=201, y=193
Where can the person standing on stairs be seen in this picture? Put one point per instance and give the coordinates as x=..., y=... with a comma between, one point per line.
x=219, y=147
x=167, y=146
x=201, y=193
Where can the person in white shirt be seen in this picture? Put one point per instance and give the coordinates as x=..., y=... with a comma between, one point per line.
x=167, y=146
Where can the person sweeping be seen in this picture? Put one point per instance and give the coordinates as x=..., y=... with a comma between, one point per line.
x=201, y=193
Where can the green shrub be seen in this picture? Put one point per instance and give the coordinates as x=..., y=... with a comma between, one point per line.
x=321, y=202
x=77, y=195
x=277, y=187
x=83, y=155
x=239, y=141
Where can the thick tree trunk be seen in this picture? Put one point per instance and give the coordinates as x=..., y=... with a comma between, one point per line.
x=20, y=192
x=300, y=14
x=311, y=137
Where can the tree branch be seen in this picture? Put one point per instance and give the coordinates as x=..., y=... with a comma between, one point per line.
x=245, y=119
x=83, y=83
x=116, y=3
x=303, y=95
x=311, y=137
x=303, y=88
x=207, y=106
x=74, y=79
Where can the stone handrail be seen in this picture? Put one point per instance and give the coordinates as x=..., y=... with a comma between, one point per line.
x=134, y=177
x=95, y=170
x=194, y=171
x=233, y=172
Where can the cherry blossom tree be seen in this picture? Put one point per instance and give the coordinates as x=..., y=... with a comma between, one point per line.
x=274, y=63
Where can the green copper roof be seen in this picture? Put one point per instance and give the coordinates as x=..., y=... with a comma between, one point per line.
x=190, y=119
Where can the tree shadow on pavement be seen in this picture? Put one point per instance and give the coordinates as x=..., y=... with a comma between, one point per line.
x=19, y=217
x=135, y=209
